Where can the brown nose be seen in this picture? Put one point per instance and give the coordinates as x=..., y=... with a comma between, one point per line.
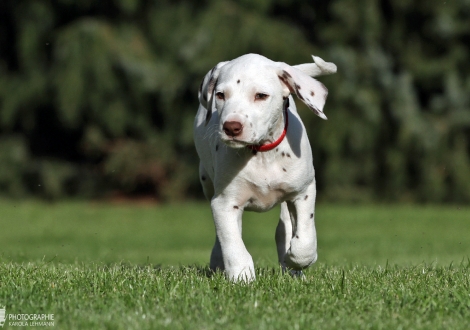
x=233, y=128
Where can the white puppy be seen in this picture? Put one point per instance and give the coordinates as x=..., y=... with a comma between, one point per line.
x=254, y=153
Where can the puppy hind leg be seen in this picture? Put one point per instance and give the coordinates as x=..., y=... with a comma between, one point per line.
x=283, y=234
x=217, y=260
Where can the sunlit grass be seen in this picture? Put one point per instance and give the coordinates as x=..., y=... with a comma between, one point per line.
x=102, y=266
x=183, y=234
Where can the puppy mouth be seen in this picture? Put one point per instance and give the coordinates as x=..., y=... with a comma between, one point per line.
x=234, y=142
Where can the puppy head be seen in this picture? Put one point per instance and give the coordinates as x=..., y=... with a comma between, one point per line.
x=249, y=94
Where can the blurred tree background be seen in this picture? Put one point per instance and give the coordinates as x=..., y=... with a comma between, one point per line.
x=98, y=97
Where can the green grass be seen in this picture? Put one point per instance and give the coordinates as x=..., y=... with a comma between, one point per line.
x=99, y=266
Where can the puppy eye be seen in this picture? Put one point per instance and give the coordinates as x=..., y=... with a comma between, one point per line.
x=220, y=95
x=261, y=96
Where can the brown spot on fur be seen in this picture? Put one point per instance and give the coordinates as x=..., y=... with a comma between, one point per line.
x=284, y=169
x=277, y=149
x=288, y=155
x=306, y=196
x=200, y=86
x=286, y=74
x=283, y=154
x=284, y=80
x=235, y=207
x=238, y=81
x=211, y=85
x=311, y=215
x=312, y=93
x=296, y=236
x=297, y=86
x=212, y=70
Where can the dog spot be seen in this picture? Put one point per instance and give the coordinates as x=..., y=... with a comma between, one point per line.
x=200, y=86
x=306, y=197
x=251, y=200
x=212, y=70
x=238, y=81
x=286, y=74
x=216, y=147
x=211, y=81
x=312, y=93
x=235, y=207
x=277, y=149
x=315, y=109
x=284, y=80
x=284, y=169
x=311, y=215
x=288, y=155
x=297, y=86
x=296, y=236
x=283, y=154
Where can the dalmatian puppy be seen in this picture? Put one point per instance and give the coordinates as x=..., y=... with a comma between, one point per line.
x=254, y=154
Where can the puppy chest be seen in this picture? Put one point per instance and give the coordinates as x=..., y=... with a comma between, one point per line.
x=263, y=194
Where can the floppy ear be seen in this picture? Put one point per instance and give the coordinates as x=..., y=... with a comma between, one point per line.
x=319, y=68
x=312, y=92
x=207, y=88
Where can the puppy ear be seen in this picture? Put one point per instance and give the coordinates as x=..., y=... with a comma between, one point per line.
x=319, y=68
x=207, y=88
x=310, y=91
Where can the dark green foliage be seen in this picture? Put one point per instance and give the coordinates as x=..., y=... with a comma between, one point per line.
x=98, y=96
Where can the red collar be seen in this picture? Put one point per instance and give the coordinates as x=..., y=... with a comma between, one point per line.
x=272, y=145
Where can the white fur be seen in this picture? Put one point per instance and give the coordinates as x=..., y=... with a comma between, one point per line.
x=235, y=179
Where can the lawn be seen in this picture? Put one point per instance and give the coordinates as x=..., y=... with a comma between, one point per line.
x=104, y=266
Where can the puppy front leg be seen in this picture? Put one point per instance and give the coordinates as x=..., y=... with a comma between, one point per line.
x=238, y=263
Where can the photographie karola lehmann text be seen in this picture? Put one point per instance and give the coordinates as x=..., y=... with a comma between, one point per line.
x=30, y=320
